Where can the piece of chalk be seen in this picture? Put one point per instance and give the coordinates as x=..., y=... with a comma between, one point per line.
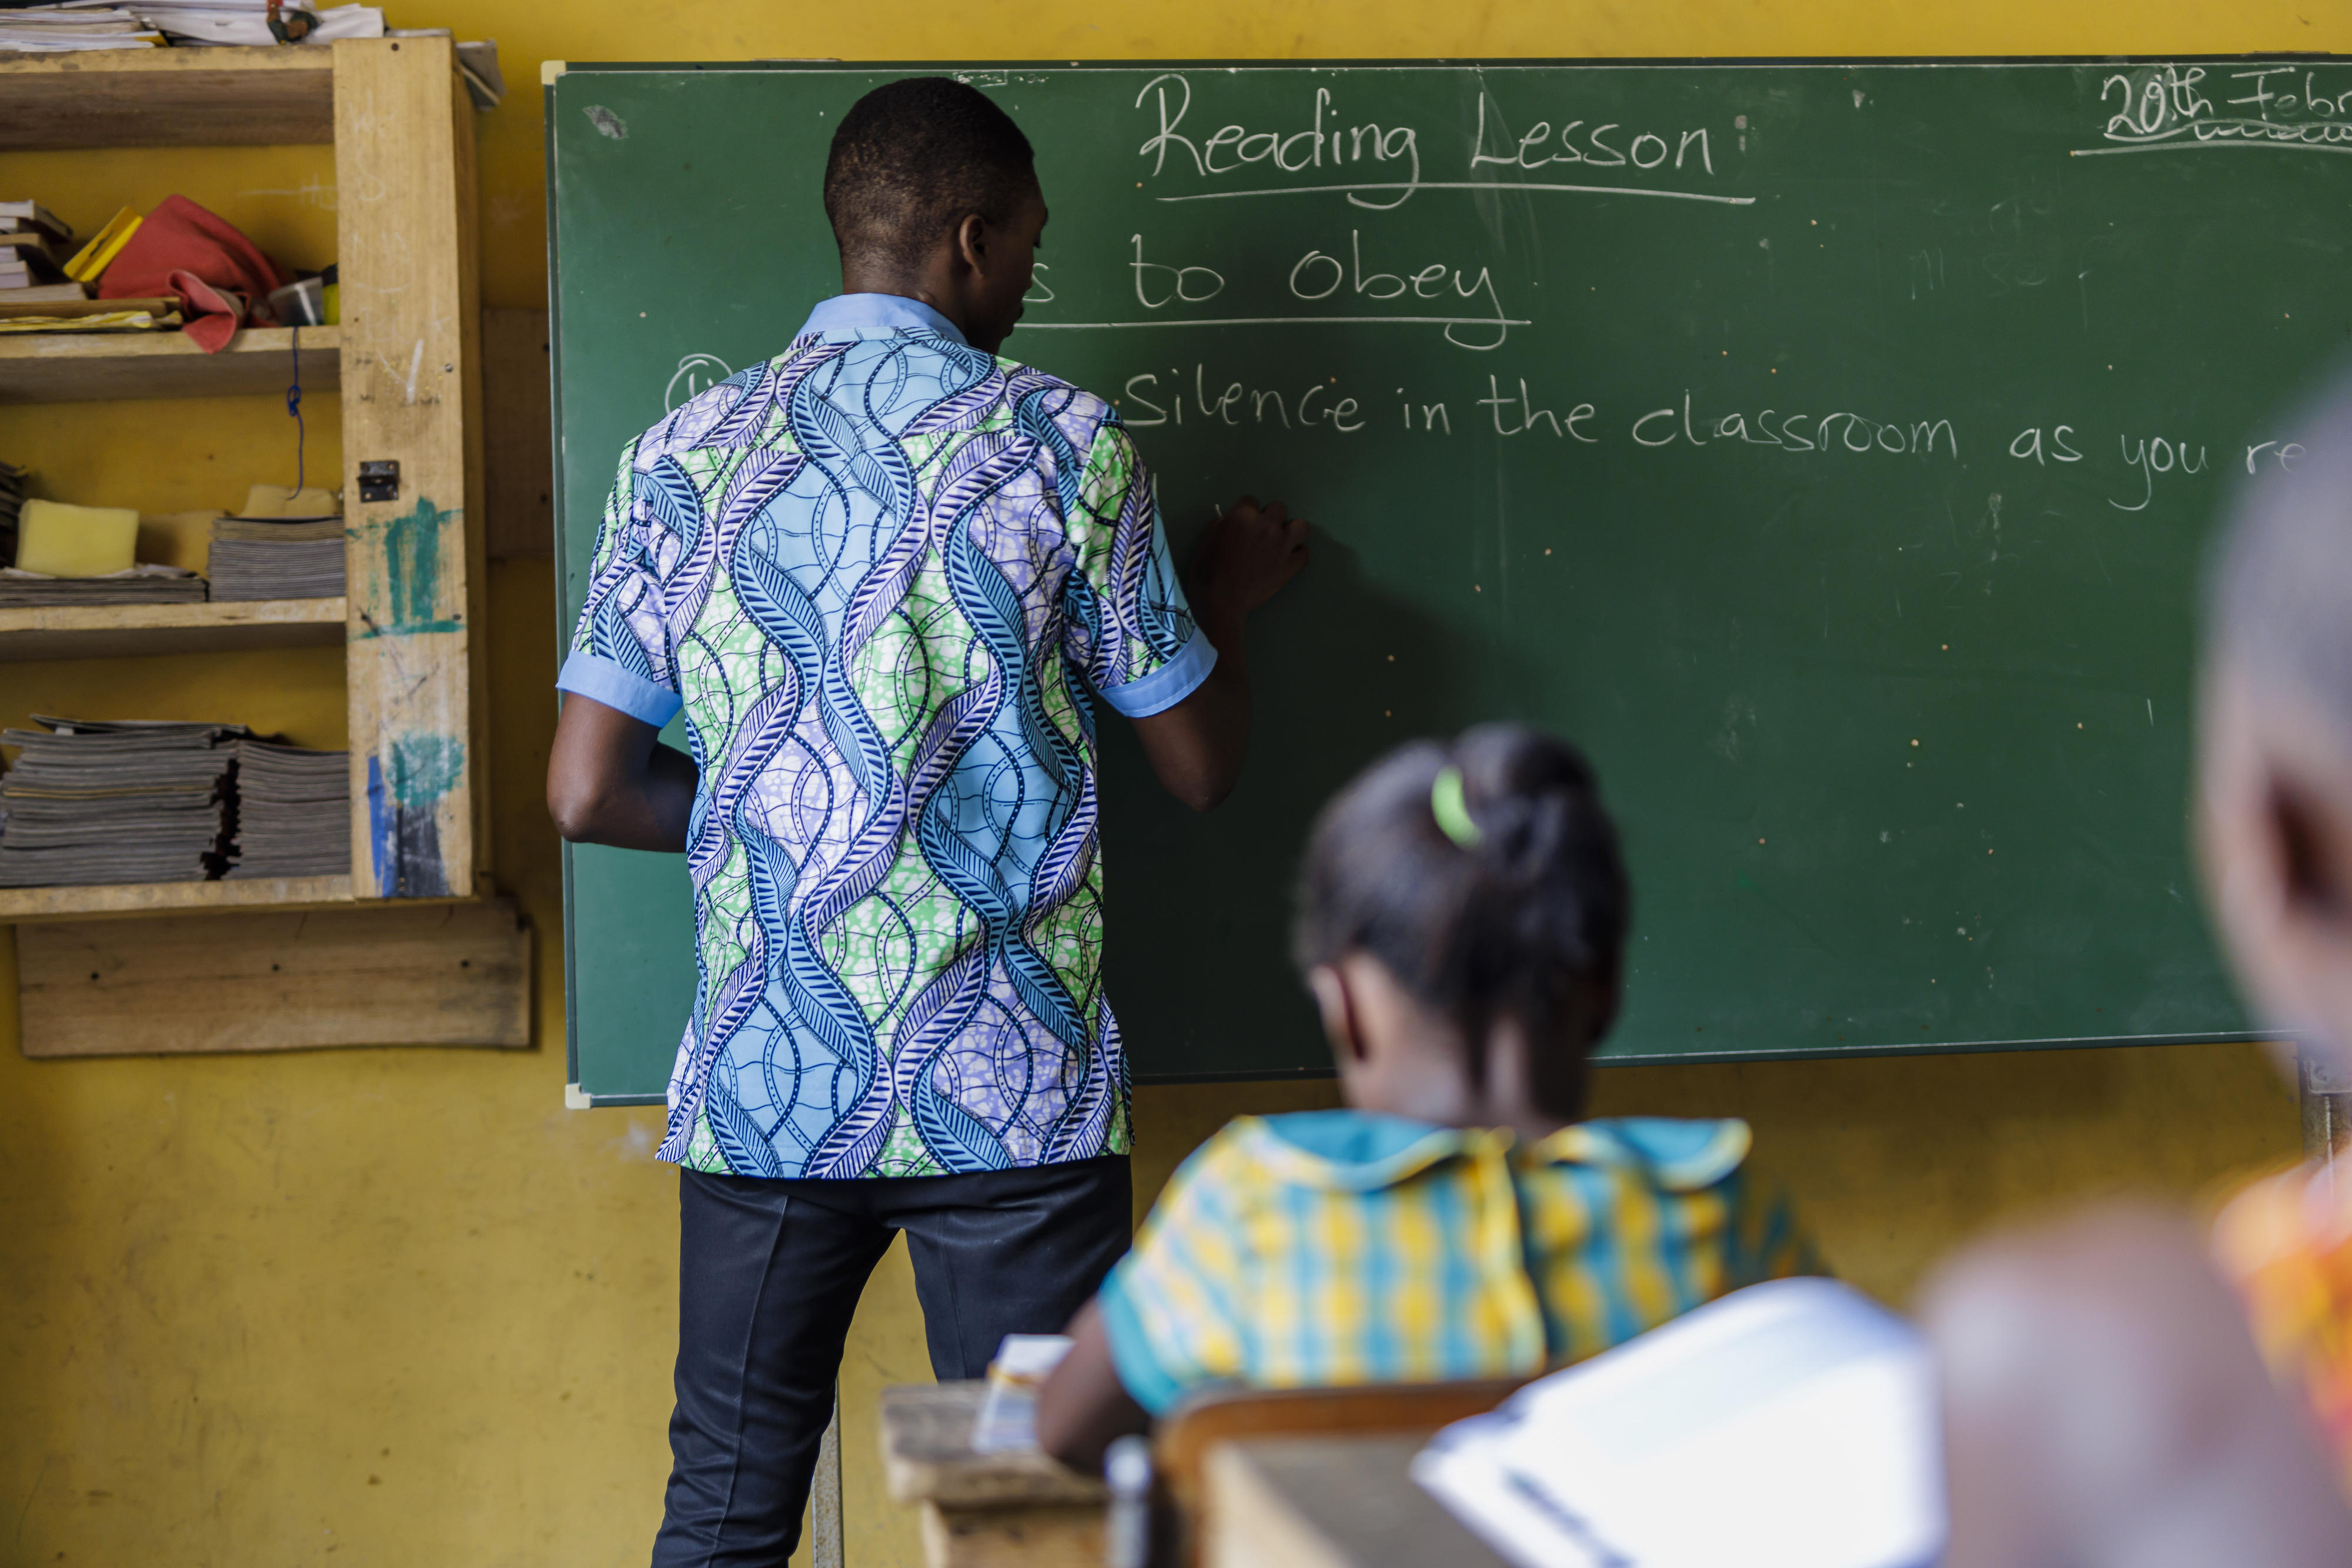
x=64, y=540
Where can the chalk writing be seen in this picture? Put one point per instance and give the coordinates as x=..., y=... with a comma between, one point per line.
x=1385, y=159
x=2028, y=445
x=1189, y=284
x=1314, y=145
x=1601, y=146
x=696, y=375
x=1843, y=431
x=1317, y=404
x=2154, y=456
x=1318, y=277
x=1522, y=413
x=2170, y=106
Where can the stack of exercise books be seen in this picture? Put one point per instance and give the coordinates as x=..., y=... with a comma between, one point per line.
x=35, y=245
x=117, y=801
x=277, y=557
x=145, y=583
x=293, y=811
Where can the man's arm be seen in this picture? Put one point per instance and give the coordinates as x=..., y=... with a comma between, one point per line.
x=1196, y=747
x=610, y=780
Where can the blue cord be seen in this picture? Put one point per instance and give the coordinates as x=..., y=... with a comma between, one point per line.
x=294, y=403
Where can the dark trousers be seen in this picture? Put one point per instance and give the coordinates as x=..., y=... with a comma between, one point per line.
x=769, y=1275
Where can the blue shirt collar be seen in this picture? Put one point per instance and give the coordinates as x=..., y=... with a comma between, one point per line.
x=846, y=317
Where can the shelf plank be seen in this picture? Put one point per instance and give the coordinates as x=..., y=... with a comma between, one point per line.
x=379, y=975
x=122, y=631
x=83, y=367
x=167, y=98
x=21, y=903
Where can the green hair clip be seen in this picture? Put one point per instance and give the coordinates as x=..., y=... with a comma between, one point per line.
x=1452, y=812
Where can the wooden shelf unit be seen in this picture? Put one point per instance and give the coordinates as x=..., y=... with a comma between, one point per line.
x=406, y=359
x=91, y=367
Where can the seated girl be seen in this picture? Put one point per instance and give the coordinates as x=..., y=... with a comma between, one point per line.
x=1461, y=923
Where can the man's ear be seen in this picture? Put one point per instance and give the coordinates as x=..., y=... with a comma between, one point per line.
x=972, y=242
x=2312, y=868
x=1338, y=1006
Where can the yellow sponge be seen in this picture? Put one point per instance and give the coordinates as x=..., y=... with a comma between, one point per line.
x=75, y=541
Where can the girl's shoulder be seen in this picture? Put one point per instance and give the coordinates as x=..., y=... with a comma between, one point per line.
x=1676, y=1153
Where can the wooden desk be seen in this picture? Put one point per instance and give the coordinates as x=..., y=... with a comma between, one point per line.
x=985, y=1511
x=1328, y=1502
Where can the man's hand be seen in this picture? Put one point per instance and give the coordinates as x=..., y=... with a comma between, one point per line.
x=1244, y=558
x=1196, y=747
x=610, y=781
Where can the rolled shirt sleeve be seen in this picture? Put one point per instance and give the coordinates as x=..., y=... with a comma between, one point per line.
x=621, y=651
x=1130, y=628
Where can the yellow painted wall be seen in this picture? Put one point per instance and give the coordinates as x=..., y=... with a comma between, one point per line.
x=399, y=1306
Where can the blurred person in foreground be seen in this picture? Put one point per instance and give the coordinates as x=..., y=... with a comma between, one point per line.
x=2107, y=1397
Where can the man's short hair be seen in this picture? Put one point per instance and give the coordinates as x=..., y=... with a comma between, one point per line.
x=2279, y=597
x=912, y=158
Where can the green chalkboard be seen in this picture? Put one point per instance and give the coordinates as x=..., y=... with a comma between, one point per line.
x=1828, y=448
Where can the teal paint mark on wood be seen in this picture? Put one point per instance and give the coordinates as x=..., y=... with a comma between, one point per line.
x=412, y=549
x=403, y=809
x=425, y=767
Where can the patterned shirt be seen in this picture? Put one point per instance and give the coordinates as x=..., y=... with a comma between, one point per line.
x=880, y=573
x=2287, y=1243
x=1339, y=1246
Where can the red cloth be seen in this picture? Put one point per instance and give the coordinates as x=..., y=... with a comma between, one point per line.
x=181, y=240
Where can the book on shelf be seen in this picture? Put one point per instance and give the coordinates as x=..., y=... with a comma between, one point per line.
x=142, y=800
x=61, y=29
x=117, y=315
x=128, y=802
x=49, y=294
x=32, y=250
x=144, y=583
x=17, y=216
x=275, y=557
x=293, y=811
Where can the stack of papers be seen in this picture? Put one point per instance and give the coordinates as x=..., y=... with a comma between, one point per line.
x=142, y=584
x=55, y=28
x=274, y=557
x=1790, y=1425
x=293, y=811
x=246, y=22
x=116, y=802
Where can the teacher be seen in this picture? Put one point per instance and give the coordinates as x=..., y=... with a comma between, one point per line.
x=880, y=574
